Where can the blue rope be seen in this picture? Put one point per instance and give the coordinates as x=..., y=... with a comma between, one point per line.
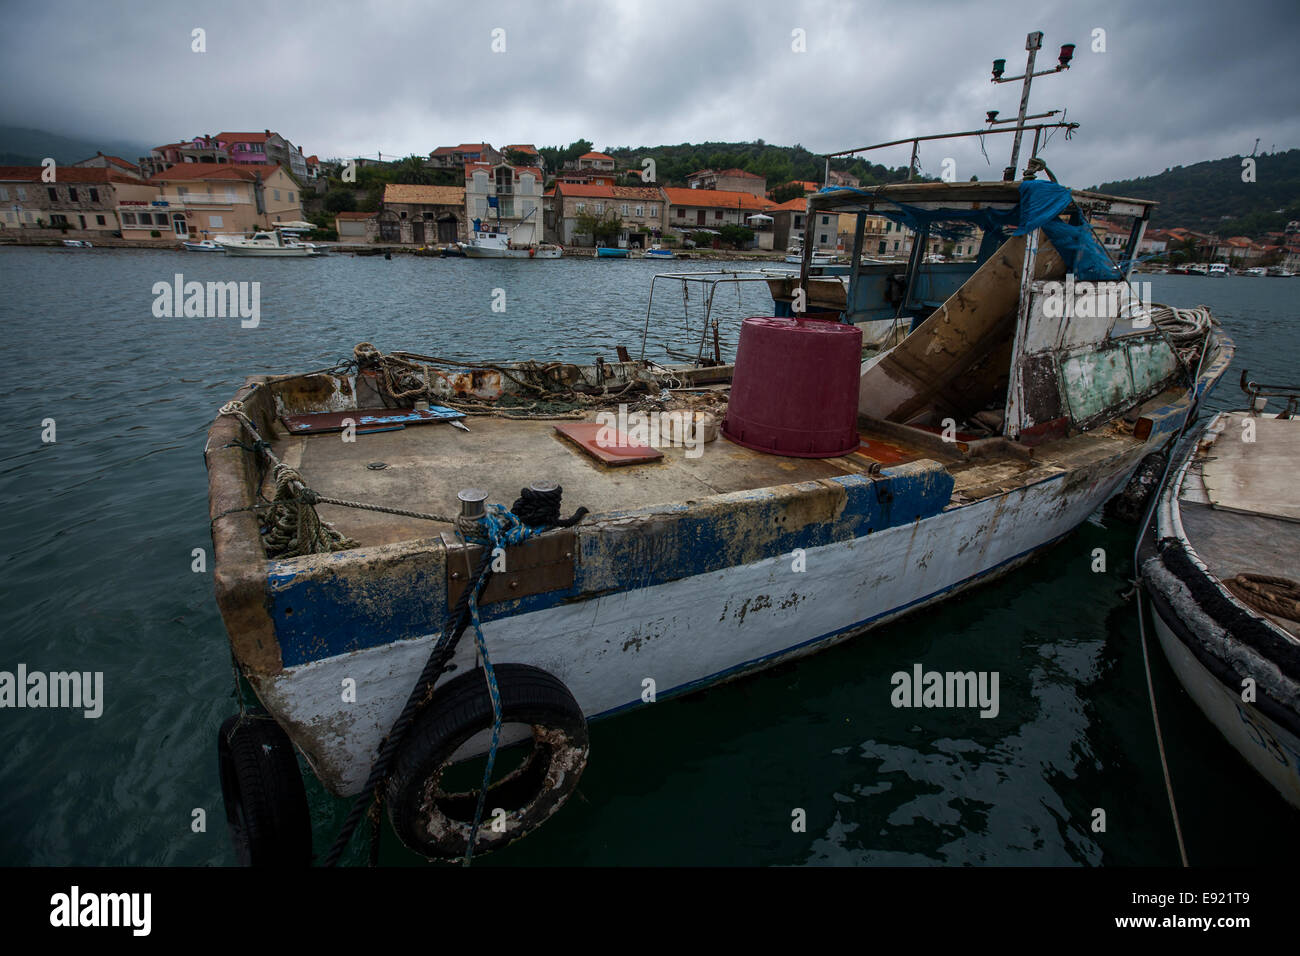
x=500, y=527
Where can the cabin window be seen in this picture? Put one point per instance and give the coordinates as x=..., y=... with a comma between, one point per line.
x=100, y=221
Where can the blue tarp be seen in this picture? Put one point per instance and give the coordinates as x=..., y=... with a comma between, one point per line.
x=1041, y=202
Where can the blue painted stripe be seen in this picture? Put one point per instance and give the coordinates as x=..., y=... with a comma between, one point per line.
x=323, y=614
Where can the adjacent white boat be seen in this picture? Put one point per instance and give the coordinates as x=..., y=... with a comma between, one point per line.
x=1220, y=563
x=267, y=244
x=488, y=244
x=1256, y=271
x=78, y=244
x=1220, y=269
x=206, y=245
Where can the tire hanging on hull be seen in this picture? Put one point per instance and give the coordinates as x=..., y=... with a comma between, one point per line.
x=261, y=786
x=437, y=824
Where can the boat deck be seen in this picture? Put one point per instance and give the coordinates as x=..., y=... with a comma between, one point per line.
x=1237, y=506
x=428, y=464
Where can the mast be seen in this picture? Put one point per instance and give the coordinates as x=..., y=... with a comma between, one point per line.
x=1033, y=43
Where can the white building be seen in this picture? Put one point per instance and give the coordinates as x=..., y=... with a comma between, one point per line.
x=506, y=196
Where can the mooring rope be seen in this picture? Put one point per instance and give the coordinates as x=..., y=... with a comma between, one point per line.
x=1272, y=595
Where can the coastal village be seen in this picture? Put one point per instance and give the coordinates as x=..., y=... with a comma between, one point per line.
x=235, y=183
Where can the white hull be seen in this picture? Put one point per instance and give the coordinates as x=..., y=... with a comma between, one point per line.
x=269, y=252
x=689, y=633
x=1270, y=749
x=473, y=252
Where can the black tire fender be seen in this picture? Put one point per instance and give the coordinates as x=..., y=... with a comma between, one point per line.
x=262, y=788
x=436, y=824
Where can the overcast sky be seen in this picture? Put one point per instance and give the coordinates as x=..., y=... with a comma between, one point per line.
x=1178, y=81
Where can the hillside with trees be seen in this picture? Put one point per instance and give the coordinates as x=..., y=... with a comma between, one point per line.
x=777, y=164
x=1212, y=197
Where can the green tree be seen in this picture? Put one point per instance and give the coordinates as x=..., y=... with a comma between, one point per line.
x=340, y=200
x=737, y=236
x=413, y=171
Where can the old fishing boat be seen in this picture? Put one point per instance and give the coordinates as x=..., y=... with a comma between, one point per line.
x=1220, y=561
x=359, y=535
x=488, y=243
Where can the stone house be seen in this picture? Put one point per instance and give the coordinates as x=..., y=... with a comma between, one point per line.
x=728, y=180
x=507, y=197
x=642, y=211
x=422, y=215
x=85, y=199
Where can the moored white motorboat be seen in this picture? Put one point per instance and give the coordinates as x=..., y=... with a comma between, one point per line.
x=1220, y=562
x=206, y=245
x=78, y=243
x=267, y=245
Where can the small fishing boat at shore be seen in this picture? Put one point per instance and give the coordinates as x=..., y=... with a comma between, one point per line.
x=495, y=244
x=610, y=252
x=206, y=245
x=1219, y=562
x=78, y=243
x=1022, y=391
x=657, y=251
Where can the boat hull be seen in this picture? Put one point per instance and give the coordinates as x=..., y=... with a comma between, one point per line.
x=690, y=633
x=472, y=252
x=1270, y=749
x=269, y=253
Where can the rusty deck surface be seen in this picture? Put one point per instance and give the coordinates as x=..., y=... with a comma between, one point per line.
x=425, y=468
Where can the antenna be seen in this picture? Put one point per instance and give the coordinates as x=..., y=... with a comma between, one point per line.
x=1033, y=43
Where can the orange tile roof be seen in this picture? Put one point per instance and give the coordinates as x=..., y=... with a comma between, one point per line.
x=186, y=172
x=524, y=148
x=462, y=148
x=595, y=191
x=596, y=156
x=739, y=172
x=242, y=137
x=64, y=174
x=714, y=199
x=424, y=195
x=795, y=205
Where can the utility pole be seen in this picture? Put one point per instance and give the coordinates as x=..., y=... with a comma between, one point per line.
x=1033, y=43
